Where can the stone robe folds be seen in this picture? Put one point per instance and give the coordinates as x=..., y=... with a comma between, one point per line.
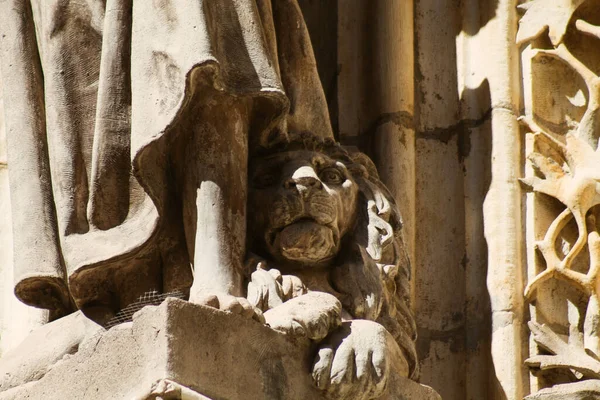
x=129, y=126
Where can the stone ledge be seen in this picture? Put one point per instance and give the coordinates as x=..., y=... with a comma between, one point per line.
x=180, y=350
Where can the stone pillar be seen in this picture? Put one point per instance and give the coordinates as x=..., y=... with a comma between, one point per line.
x=440, y=246
x=407, y=67
x=502, y=209
x=375, y=94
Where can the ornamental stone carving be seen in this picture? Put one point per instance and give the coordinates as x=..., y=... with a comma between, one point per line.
x=184, y=149
x=563, y=172
x=323, y=222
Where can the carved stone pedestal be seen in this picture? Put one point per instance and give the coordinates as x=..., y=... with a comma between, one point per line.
x=180, y=350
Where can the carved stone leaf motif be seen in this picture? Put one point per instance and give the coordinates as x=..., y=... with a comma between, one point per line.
x=564, y=355
x=542, y=15
x=584, y=390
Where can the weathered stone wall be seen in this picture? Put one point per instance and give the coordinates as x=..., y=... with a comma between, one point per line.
x=403, y=98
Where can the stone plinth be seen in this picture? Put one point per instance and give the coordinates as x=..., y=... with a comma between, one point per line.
x=180, y=350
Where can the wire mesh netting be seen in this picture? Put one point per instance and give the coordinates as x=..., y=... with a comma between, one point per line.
x=152, y=298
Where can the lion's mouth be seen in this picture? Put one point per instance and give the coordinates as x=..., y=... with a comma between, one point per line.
x=302, y=218
x=305, y=237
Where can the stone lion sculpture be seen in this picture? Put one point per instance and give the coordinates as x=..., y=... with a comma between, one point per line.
x=326, y=262
x=329, y=263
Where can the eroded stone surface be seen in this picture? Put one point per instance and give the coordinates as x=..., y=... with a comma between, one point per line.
x=193, y=112
x=585, y=390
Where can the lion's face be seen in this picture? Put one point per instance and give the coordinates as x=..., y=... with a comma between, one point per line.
x=303, y=203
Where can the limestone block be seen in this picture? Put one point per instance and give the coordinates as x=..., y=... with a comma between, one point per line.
x=180, y=350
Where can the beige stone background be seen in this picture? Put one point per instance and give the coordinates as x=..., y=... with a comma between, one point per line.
x=431, y=90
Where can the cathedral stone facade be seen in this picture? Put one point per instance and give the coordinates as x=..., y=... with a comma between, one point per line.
x=300, y=199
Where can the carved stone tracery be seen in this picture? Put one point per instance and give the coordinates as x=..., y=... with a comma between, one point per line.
x=564, y=159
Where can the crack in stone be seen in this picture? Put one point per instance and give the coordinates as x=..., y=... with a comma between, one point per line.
x=445, y=134
x=402, y=119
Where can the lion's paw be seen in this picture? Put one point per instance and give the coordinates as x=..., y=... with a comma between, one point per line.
x=312, y=315
x=355, y=361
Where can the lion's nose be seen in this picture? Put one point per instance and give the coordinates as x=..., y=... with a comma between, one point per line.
x=306, y=181
x=303, y=178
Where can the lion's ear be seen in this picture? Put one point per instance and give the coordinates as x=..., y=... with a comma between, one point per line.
x=362, y=165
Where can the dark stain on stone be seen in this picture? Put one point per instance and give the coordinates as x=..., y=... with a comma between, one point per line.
x=274, y=378
x=444, y=135
x=455, y=338
x=457, y=317
x=464, y=145
x=402, y=139
x=402, y=119
x=464, y=261
x=364, y=141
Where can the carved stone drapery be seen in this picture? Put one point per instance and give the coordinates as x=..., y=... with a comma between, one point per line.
x=127, y=104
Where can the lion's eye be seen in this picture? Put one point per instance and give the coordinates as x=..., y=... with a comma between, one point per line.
x=331, y=176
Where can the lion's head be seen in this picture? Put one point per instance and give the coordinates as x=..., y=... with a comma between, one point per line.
x=304, y=203
x=316, y=205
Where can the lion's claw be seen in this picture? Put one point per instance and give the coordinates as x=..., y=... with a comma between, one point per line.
x=356, y=361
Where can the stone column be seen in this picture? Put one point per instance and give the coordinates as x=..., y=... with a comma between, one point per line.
x=376, y=94
x=503, y=203
x=440, y=246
